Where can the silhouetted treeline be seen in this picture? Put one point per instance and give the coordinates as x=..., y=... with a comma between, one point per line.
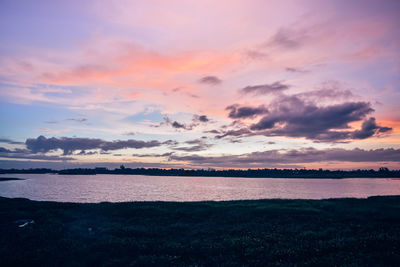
x=253, y=173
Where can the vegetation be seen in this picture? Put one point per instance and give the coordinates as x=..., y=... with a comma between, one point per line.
x=334, y=232
x=254, y=173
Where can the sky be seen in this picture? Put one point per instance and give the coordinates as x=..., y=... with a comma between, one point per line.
x=200, y=84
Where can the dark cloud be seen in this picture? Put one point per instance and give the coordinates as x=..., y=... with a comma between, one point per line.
x=288, y=39
x=9, y=141
x=291, y=116
x=178, y=125
x=37, y=157
x=212, y=131
x=194, y=142
x=153, y=155
x=83, y=152
x=264, y=89
x=203, y=118
x=238, y=112
x=81, y=120
x=196, y=121
x=68, y=144
x=295, y=70
x=174, y=124
x=198, y=145
x=27, y=154
x=235, y=140
x=273, y=158
x=170, y=143
x=298, y=115
x=263, y=159
x=166, y=121
x=193, y=148
x=368, y=129
x=200, y=118
x=210, y=80
x=236, y=133
x=121, y=144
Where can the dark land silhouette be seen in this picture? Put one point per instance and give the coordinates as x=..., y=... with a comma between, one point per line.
x=4, y=179
x=250, y=173
x=332, y=232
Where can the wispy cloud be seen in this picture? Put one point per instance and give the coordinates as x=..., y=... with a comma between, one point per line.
x=196, y=121
x=263, y=89
x=9, y=141
x=272, y=158
x=197, y=145
x=295, y=70
x=81, y=120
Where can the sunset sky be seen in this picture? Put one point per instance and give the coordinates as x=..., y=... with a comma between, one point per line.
x=200, y=84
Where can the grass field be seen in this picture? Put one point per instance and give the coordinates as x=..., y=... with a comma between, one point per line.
x=354, y=232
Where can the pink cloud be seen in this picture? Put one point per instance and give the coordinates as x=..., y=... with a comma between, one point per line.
x=52, y=131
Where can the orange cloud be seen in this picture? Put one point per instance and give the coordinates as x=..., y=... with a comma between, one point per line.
x=135, y=64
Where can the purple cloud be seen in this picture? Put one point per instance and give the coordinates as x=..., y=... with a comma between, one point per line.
x=272, y=158
x=210, y=80
x=264, y=89
x=299, y=116
x=68, y=144
x=238, y=112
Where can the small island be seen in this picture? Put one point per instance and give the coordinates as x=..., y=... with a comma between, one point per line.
x=4, y=179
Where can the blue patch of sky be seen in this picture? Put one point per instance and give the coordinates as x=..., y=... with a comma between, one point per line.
x=19, y=122
x=153, y=116
x=376, y=74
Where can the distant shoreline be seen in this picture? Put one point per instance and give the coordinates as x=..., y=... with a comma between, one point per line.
x=250, y=173
x=194, y=176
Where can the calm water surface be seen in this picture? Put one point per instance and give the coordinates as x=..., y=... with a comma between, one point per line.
x=116, y=188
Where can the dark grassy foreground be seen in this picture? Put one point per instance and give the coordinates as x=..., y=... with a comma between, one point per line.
x=356, y=232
